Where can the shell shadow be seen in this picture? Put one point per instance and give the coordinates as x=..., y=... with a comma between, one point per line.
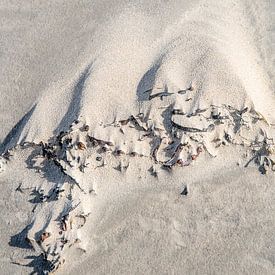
x=147, y=81
x=74, y=107
x=39, y=265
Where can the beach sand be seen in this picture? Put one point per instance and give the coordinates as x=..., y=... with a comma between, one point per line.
x=137, y=137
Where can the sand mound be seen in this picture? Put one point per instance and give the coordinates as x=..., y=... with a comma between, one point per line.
x=167, y=93
x=222, y=64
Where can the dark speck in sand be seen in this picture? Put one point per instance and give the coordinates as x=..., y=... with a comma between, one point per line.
x=98, y=158
x=184, y=191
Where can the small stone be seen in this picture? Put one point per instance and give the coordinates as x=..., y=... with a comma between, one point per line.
x=184, y=191
x=86, y=128
x=98, y=158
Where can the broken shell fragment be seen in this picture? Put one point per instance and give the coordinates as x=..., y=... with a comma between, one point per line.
x=124, y=122
x=193, y=157
x=81, y=145
x=44, y=236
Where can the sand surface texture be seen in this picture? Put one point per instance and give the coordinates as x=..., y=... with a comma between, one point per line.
x=137, y=137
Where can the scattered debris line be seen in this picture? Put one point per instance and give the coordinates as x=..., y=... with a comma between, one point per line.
x=176, y=142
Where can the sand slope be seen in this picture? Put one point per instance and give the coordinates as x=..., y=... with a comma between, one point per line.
x=202, y=45
x=131, y=105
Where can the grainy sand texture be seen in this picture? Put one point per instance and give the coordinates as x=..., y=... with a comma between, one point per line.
x=137, y=137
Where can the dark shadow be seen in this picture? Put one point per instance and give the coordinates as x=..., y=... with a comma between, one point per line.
x=13, y=136
x=147, y=81
x=39, y=264
x=53, y=174
x=48, y=169
x=19, y=240
x=72, y=113
x=167, y=119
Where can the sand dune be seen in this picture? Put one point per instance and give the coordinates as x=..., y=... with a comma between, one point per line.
x=149, y=99
x=204, y=48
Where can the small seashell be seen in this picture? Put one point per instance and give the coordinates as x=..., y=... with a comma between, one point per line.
x=193, y=157
x=182, y=92
x=124, y=122
x=81, y=145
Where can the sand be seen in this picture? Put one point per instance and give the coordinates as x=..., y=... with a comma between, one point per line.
x=137, y=137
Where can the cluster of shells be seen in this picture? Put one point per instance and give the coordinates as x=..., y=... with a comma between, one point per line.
x=175, y=141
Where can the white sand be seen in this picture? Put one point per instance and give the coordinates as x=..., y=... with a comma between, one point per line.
x=117, y=107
